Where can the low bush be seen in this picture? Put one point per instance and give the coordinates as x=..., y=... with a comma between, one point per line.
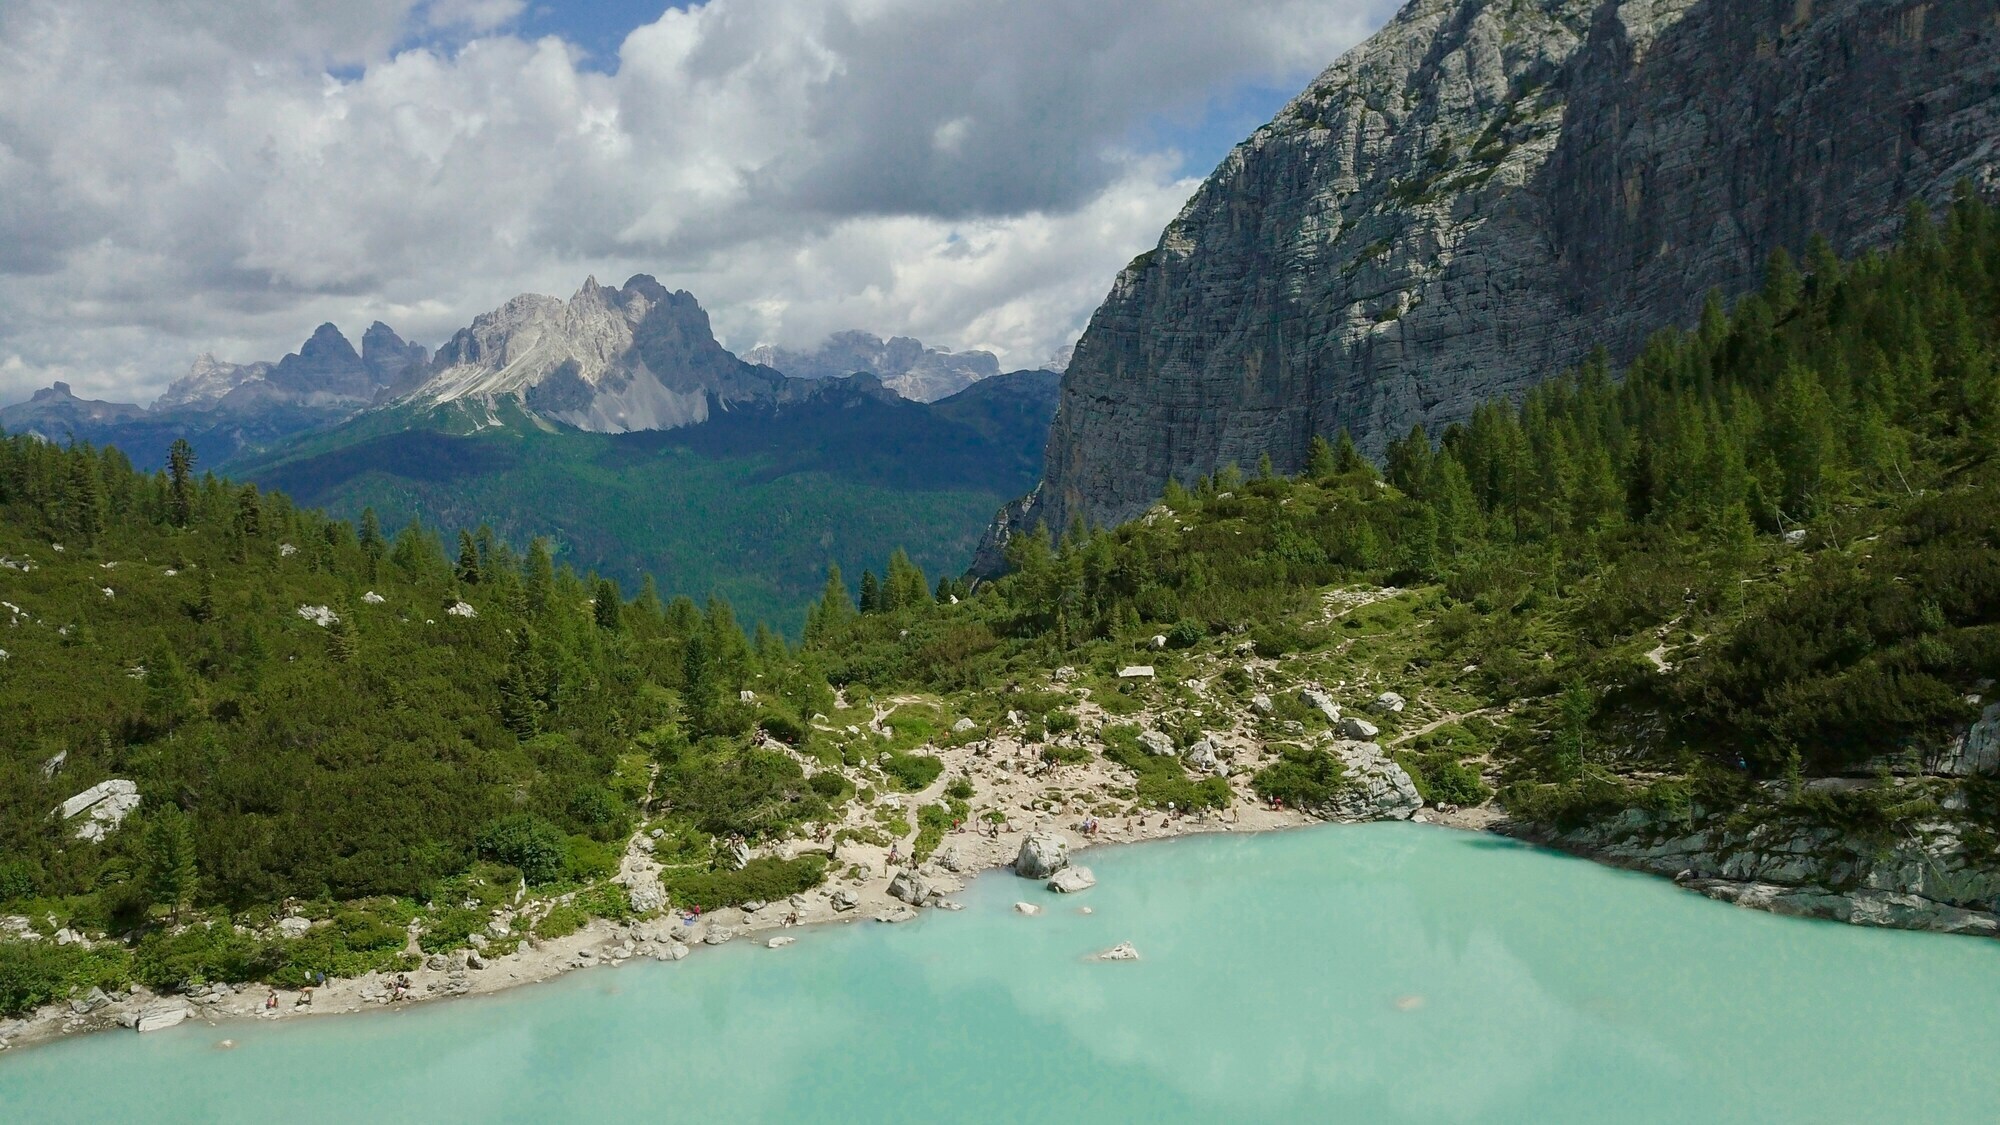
x=33, y=973
x=1302, y=777
x=766, y=878
x=912, y=772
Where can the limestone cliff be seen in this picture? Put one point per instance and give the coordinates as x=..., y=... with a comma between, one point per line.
x=1485, y=190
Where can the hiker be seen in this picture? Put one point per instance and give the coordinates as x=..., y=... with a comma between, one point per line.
x=271, y=1001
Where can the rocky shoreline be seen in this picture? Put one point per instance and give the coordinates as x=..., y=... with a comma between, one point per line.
x=1928, y=880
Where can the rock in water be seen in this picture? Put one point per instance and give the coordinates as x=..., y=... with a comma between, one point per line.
x=1480, y=194
x=1123, y=951
x=1042, y=855
x=1073, y=879
x=1027, y=908
x=162, y=1014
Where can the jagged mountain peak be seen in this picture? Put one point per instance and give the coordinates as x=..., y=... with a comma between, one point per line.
x=902, y=363
x=639, y=357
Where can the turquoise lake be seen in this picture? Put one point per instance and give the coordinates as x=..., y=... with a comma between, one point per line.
x=1386, y=972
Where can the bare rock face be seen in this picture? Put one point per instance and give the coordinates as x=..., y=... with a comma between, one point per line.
x=1484, y=191
x=609, y=360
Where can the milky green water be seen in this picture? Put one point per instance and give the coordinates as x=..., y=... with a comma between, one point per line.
x=1375, y=973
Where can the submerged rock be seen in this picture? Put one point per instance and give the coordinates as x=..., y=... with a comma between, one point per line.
x=1123, y=951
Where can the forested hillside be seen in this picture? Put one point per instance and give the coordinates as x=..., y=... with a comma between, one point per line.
x=1769, y=551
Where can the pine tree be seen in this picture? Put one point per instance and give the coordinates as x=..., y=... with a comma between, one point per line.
x=1348, y=459
x=871, y=593
x=606, y=605
x=203, y=608
x=249, y=512
x=468, y=559
x=172, y=877
x=341, y=646
x=180, y=482
x=168, y=694
x=541, y=579
x=87, y=500
x=1319, y=459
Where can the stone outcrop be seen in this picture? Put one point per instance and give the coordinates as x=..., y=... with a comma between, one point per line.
x=1377, y=788
x=1042, y=854
x=1928, y=879
x=1484, y=191
x=107, y=804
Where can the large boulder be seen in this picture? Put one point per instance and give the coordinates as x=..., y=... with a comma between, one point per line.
x=162, y=1014
x=910, y=887
x=1070, y=880
x=1202, y=756
x=1156, y=743
x=1322, y=702
x=294, y=927
x=1042, y=854
x=1360, y=730
x=107, y=802
x=1377, y=789
x=1977, y=751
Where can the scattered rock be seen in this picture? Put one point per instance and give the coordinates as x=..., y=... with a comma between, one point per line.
x=780, y=942
x=319, y=615
x=1795, y=537
x=1261, y=704
x=963, y=725
x=1063, y=674
x=1202, y=756
x=843, y=900
x=899, y=914
x=373, y=598
x=1159, y=641
x=1123, y=951
x=89, y=1002
x=1136, y=672
x=1026, y=908
x=108, y=803
x=1042, y=854
x=1322, y=702
x=437, y=963
x=1070, y=880
x=294, y=927
x=461, y=609
x=1389, y=701
x=162, y=1014
x=1360, y=730
x=1156, y=743
x=718, y=935
x=670, y=951
x=746, y=696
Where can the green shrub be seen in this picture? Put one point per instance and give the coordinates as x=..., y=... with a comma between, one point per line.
x=1302, y=777
x=1186, y=633
x=766, y=878
x=589, y=859
x=829, y=785
x=200, y=954
x=525, y=841
x=33, y=973
x=1162, y=779
x=960, y=789
x=450, y=928
x=912, y=772
x=561, y=921
x=607, y=900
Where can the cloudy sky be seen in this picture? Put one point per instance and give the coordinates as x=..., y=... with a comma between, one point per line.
x=180, y=176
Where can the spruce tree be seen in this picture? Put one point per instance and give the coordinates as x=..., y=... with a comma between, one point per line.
x=172, y=877
x=871, y=593
x=1319, y=458
x=468, y=559
x=606, y=606
x=180, y=482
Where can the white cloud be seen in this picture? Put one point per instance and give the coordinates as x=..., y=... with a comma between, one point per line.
x=180, y=177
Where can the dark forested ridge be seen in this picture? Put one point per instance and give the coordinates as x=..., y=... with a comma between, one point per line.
x=1768, y=551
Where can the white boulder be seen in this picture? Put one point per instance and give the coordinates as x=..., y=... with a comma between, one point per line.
x=1321, y=702
x=963, y=725
x=1261, y=704
x=1123, y=951
x=1156, y=743
x=294, y=927
x=1042, y=854
x=373, y=598
x=319, y=615
x=1136, y=672
x=461, y=609
x=162, y=1014
x=1358, y=729
x=1389, y=701
x=1028, y=908
x=1070, y=880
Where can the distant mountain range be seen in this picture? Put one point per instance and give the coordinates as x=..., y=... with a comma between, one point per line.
x=615, y=423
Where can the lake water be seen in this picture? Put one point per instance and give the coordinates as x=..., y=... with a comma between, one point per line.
x=1386, y=972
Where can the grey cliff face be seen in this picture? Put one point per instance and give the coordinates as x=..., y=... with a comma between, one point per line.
x=1484, y=191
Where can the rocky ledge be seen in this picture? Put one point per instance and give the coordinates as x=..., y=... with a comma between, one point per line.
x=1941, y=877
